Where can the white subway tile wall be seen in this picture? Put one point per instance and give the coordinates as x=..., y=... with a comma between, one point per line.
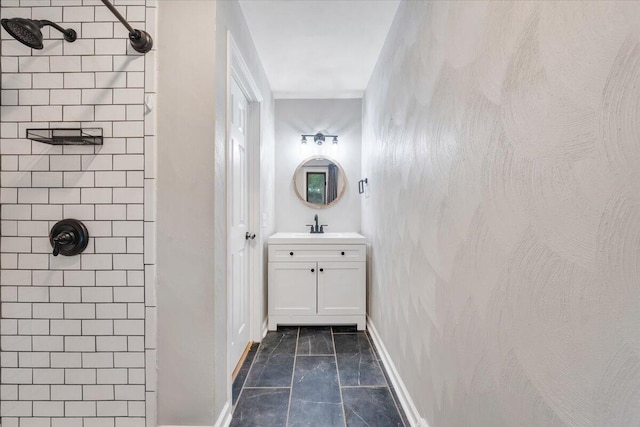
x=78, y=334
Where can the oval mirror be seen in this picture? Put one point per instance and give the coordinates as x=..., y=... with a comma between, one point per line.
x=319, y=182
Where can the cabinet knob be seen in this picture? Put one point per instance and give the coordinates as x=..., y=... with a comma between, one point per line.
x=313, y=270
x=291, y=253
x=322, y=269
x=341, y=253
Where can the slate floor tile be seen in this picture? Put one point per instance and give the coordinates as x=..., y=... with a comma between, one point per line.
x=370, y=406
x=261, y=407
x=243, y=372
x=273, y=365
x=309, y=395
x=352, y=343
x=316, y=379
x=281, y=341
x=315, y=414
x=271, y=370
x=357, y=364
x=344, y=329
x=315, y=397
x=316, y=340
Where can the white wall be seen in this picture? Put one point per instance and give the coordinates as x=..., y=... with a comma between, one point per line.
x=342, y=117
x=186, y=129
x=78, y=333
x=193, y=381
x=502, y=148
x=229, y=18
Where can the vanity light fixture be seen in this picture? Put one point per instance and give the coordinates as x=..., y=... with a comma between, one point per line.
x=319, y=138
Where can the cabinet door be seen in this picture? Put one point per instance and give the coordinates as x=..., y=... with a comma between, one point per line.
x=341, y=288
x=292, y=288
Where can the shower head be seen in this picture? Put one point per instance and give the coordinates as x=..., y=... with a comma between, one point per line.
x=27, y=31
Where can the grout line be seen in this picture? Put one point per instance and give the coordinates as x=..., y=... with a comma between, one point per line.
x=343, y=332
x=293, y=373
x=315, y=355
x=268, y=388
x=364, y=386
x=335, y=355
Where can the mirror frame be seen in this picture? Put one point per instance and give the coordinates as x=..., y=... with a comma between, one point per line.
x=295, y=182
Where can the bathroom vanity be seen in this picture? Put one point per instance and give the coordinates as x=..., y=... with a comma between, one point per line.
x=317, y=279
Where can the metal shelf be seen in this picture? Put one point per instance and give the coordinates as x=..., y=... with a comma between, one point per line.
x=67, y=136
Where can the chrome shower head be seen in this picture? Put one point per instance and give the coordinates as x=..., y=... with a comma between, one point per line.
x=28, y=31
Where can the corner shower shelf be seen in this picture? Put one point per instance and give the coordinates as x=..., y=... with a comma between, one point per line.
x=67, y=136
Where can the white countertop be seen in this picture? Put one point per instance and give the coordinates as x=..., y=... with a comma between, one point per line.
x=318, y=239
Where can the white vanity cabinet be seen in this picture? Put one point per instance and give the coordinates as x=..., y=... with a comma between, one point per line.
x=292, y=288
x=317, y=279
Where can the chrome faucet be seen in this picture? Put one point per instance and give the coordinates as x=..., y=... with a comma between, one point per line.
x=316, y=229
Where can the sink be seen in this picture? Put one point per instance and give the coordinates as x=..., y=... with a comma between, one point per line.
x=319, y=238
x=331, y=235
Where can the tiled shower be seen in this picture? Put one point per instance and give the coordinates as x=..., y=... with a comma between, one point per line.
x=78, y=343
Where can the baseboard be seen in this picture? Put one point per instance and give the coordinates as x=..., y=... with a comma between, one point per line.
x=223, y=420
x=265, y=327
x=410, y=410
x=225, y=416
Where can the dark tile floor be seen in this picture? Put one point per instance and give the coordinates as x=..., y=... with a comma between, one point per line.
x=315, y=377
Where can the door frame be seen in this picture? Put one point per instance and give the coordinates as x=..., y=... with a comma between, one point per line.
x=238, y=70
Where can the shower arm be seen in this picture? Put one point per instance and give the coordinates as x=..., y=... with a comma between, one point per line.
x=141, y=41
x=120, y=17
x=69, y=34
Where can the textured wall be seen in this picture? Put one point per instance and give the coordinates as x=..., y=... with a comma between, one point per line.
x=502, y=146
x=78, y=333
x=342, y=117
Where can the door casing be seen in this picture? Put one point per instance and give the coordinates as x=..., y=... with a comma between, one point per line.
x=237, y=69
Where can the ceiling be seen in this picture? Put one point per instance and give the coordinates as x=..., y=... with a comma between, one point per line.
x=319, y=48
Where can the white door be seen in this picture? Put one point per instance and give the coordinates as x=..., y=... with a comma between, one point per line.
x=239, y=224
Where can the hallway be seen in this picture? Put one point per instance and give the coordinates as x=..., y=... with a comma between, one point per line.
x=460, y=177
x=293, y=381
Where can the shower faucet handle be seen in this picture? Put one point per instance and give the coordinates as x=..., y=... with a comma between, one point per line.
x=64, y=238
x=68, y=237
